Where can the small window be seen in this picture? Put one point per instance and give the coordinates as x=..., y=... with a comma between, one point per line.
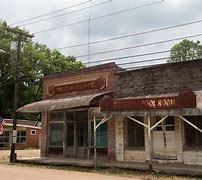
x=21, y=136
x=33, y=132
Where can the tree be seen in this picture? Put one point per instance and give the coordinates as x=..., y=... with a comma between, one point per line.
x=185, y=50
x=37, y=60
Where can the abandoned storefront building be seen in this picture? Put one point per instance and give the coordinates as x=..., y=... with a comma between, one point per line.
x=141, y=115
x=70, y=103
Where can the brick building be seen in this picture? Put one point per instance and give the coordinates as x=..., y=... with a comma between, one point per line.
x=28, y=134
x=70, y=102
x=158, y=113
x=149, y=114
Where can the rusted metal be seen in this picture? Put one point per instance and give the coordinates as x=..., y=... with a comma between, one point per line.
x=62, y=103
x=185, y=99
x=99, y=83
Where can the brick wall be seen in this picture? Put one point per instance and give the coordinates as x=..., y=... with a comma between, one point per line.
x=33, y=139
x=88, y=74
x=161, y=79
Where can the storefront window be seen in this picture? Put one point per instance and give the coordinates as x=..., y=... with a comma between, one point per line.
x=193, y=138
x=101, y=135
x=21, y=136
x=56, y=134
x=135, y=134
x=56, y=116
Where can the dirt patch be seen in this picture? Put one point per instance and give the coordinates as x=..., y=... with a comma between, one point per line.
x=26, y=153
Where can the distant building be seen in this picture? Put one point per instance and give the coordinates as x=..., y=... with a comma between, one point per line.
x=28, y=134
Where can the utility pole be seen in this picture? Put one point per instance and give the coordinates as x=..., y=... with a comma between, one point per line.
x=20, y=35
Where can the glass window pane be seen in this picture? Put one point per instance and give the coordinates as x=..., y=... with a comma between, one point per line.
x=56, y=134
x=57, y=116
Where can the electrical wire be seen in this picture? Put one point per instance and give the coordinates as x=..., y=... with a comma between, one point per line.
x=78, y=10
x=52, y=12
x=141, y=45
x=99, y=17
x=126, y=57
x=131, y=35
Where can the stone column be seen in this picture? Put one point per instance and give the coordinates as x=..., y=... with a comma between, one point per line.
x=119, y=138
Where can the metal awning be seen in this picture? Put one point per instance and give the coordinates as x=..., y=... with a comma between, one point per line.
x=163, y=112
x=62, y=103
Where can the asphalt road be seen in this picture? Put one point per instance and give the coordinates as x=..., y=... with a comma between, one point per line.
x=11, y=172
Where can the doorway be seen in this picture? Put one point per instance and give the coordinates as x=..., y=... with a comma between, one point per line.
x=77, y=133
x=164, y=139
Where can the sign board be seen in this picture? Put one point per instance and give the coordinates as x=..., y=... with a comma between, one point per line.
x=99, y=83
x=185, y=99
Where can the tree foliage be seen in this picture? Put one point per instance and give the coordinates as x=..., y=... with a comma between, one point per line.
x=185, y=50
x=36, y=61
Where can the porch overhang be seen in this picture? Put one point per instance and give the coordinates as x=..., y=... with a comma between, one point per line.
x=62, y=103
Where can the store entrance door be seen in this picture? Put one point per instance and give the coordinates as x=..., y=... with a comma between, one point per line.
x=164, y=139
x=77, y=133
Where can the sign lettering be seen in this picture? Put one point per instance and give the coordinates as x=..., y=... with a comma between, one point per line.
x=99, y=83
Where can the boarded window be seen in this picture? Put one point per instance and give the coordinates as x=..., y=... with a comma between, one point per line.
x=135, y=133
x=193, y=138
x=56, y=134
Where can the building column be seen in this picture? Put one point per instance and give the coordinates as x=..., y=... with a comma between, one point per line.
x=111, y=139
x=119, y=138
x=44, y=135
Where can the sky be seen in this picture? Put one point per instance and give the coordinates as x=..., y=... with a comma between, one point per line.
x=101, y=22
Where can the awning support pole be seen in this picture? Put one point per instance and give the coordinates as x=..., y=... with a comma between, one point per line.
x=158, y=122
x=95, y=150
x=137, y=121
x=150, y=144
x=181, y=117
x=105, y=119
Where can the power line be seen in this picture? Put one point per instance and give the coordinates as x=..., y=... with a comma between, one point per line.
x=131, y=56
x=50, y=12
x=131, y=35
x=99, y=17
x=148, y=60
x=81, y=9
x=141, y=45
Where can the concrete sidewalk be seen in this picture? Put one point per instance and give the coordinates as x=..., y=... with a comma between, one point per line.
x=172, y=168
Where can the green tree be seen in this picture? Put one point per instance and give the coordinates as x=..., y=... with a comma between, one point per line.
x=37, y=60
x=185, y=50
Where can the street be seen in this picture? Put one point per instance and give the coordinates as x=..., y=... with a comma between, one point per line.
x=11, y=172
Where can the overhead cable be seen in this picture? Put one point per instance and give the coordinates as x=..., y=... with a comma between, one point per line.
x=56, y=16
x=126, y=57
x=131, y=35
x=99, y=17
x=141, y=45
x=52, y=12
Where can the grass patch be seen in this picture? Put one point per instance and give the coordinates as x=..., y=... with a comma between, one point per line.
x=110, y=172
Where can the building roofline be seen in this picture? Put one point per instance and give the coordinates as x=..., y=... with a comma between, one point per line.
x=86, y=70
x=173, y=64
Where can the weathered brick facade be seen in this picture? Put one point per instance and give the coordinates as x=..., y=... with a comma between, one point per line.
x=106, y=71
x=154, y=81
x=161, y=79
